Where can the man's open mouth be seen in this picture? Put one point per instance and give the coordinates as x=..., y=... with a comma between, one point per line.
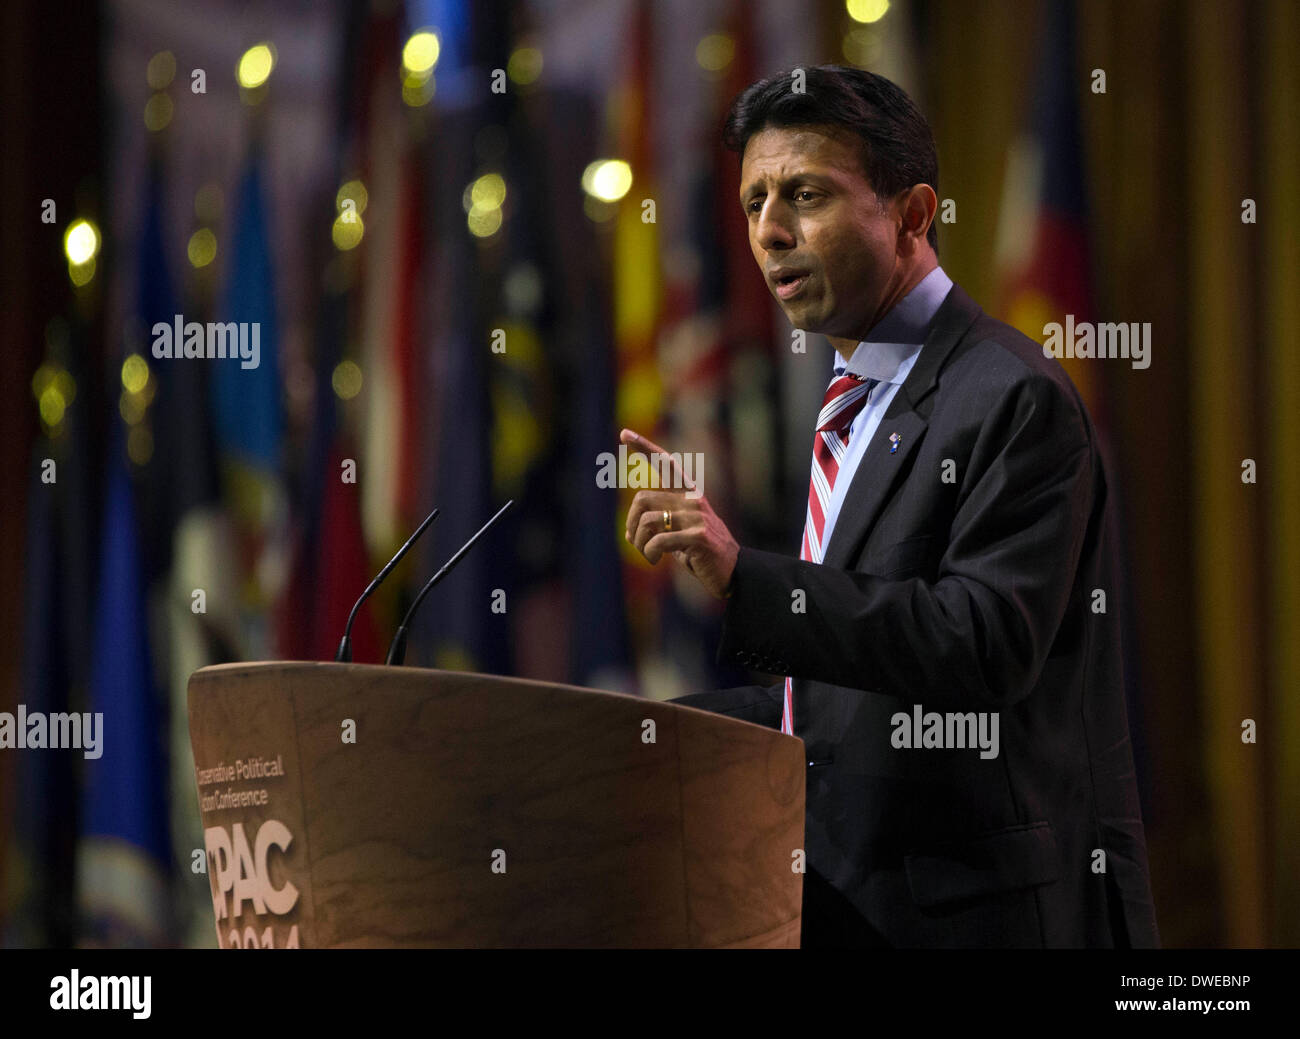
x=788, y=285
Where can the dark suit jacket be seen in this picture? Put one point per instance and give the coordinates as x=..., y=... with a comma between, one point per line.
x=960, y=576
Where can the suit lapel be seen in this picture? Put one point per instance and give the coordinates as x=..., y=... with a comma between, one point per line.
x=879, y=469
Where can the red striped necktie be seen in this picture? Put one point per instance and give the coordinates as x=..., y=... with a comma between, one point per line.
x=845, y=397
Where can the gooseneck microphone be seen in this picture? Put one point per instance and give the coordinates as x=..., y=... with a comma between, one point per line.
x=344, y=654
x=397, y=650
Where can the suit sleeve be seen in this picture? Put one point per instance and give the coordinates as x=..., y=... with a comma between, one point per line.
x=752, y=703
x=981, y=632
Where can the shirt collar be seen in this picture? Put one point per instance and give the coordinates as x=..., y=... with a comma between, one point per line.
x=895, y=341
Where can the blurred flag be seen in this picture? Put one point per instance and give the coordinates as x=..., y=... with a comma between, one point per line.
x=202, y=596
x=527, y=448
x=390, y=258
x=301, y=620
x=343, y=570
x=720, y=365
x=734, y=287
x=301, y=624
x=190, y=543
x=33, y=864
x=39, y=870
x=638, y=300
x=40, y=867
x=453, y=625
x=125, y=855
x=1045, y=258
x=180, y=468
x=1043, y=253
x=601, y=656
x=457, y=24
x=571, y=627
x=246, y=400
x=247, y=413
x=462, y=626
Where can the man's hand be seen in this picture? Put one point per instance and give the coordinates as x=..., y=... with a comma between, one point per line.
x=700, y=541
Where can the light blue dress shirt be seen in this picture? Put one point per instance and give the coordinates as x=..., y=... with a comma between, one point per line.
x=887, y=354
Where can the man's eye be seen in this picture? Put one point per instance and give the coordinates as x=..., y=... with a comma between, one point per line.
x=799, y=195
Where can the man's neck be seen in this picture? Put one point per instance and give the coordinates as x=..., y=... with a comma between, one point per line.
x=846, y=347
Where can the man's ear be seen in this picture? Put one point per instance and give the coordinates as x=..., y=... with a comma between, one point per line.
x=917, y=206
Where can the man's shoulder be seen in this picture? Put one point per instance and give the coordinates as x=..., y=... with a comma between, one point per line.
x=994, y=371
x=1009, y=352
x=992, y=357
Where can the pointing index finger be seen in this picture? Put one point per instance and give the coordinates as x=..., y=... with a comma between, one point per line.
x=634, y=439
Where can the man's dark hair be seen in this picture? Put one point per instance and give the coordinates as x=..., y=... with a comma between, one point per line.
x=898, y=147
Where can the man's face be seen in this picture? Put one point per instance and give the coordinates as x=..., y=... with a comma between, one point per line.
x=827, y=249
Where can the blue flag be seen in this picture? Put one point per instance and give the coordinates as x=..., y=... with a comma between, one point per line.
x=125, y=848
x=247, y=407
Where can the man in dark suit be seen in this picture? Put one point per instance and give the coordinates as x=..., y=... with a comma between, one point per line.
x=949, y=629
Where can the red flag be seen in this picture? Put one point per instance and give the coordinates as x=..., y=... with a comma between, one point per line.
x=343, y=569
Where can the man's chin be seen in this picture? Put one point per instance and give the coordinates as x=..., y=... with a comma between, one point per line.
x=802, y=318
x=808, y=323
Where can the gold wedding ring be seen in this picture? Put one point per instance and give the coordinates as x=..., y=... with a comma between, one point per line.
x=668, y=520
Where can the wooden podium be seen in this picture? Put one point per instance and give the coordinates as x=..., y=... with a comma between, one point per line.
x=349, y=805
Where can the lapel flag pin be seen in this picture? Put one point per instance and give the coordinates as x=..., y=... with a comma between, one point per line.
x=894, y=440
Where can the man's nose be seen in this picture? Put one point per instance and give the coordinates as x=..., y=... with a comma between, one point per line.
x=772, y=231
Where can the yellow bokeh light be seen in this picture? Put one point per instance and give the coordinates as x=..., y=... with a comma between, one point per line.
x=346, y=380
x=715, y=51
x=862, y=47
x=81, y=273
x=607, y=179
x=347, y=234
x=356, y=191
x=81, y=242
x=482, y=201
x=487, y=192
x=255, y=66
x=55, y=390
x=52, y=406
x=135, y=373
x=525, y=65
x=420, y=54
x=131, y=407
x=202, y=249
x=161, y=70
x=417, y=91
x=43, y=377
x=158, y=112
x=597, y=211
x=66, y=386
x=867, y=11
x=484, y=223
x=139, y=444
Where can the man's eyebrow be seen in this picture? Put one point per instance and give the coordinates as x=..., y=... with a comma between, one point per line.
x=752, y=189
